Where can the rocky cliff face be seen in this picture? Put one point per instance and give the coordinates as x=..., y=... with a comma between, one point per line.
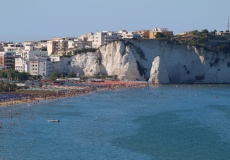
x=154, y=61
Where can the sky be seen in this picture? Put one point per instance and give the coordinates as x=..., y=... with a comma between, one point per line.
x=31, y=20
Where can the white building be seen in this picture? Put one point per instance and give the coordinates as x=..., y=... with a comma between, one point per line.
x=39, y=66
x=13, y=47
x=71, y=45
x=101, y=38
x=30, y=52
x=20, y=64
x=58, y=45
x=55, y=58
x=128, y=35
x=41, y=45
x=24, y=56
x=84, y=41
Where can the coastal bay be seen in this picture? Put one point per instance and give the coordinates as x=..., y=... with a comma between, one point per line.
x=153, y=122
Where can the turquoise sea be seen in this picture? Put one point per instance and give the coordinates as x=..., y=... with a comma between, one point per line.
x=169, y=122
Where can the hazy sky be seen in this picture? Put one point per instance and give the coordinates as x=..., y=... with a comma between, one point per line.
x=24, y=20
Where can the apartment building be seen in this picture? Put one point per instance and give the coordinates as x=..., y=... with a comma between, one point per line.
x=58, y=45
x=41, y=45
x=101, y=38
x=84, y=41
x=7, y=60
x=26, y=54
x=39, y=66
x=13, y=47
x=128, y=35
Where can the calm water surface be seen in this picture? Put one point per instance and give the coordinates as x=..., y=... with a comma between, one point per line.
x=173, y=122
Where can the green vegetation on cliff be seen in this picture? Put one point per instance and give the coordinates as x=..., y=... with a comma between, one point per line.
x=209, y=41
x=84, y=50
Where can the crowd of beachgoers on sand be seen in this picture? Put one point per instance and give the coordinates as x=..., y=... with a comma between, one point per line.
x=56, y=91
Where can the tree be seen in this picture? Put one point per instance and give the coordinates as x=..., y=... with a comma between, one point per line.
x=213, y=32
x=160, y=35
x=205, y=31
x=195, y=32
x=53, y=76
x=3, y=74
x=23, y=76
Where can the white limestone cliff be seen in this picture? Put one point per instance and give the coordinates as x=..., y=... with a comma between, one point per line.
x=159, y=72
x=118, y=59
x=85, y=64
x=154, y=61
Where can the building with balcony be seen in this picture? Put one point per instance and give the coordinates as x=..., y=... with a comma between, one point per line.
x=101, y=38
x=41, y=45
x=7, y=60
x=128, y=35
x=13, y=47
x=58, y=45
x=39, y=66
x=25, y=55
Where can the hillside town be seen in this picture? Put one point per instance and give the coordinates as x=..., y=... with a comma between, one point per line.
x=40, y=58
x=35, y=57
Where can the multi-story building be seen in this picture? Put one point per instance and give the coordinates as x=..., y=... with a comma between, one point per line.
x=41, y=45
x=58, y=45
x=13, y=47
x=84, y=41
x=7, y=60
x=71, y=45
x=101, y=38
x=24, y=56
x=39, y=66
x=20, y=64
x=86, y=37
x=128, y=35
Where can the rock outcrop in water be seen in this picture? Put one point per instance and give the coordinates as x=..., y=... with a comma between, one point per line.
x=154, y=61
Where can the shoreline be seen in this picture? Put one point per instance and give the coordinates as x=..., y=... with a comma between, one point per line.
x=35, y=96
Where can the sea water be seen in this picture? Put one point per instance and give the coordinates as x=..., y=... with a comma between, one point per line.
x=171, y=122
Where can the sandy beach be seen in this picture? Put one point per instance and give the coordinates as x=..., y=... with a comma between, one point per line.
x=53, y=92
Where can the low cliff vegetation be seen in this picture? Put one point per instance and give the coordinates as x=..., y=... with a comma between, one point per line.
x=204, y=39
